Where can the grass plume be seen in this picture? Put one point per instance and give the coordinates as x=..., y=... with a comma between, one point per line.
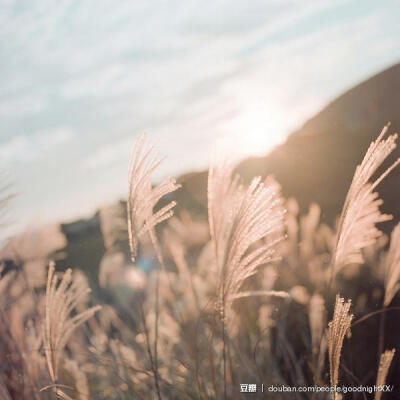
x=143, y=197
x=335, y=334
x=360, y=214
x=62, y=297
x=384, y=365
x=239, y=218
x=392, y=266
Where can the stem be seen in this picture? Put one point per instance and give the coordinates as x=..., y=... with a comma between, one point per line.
x=18, y=350
x=160, y=259
x=224, y=341
x=157, y=311
x=371, y=314
x=212, y=366
x=152, y=363
x=231, y=374
x=381, y=337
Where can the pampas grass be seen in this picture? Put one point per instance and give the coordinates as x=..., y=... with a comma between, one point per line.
x=240, y=217
x=61, y=299
x=143, y=197
x=335, y=334
x=212, y=317
x=360, y=214
x=4, y=394
x=392, y=267
x=317, y=321
x=384, y=365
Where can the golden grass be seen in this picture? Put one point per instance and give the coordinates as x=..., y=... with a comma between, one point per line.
x=242, y=298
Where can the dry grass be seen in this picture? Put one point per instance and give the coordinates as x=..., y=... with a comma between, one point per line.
x=240, y=217
x=392, y=267
x=360, y=214
x=61, y=299
x=143, y=197
x=242, y=298
x=384, y=365
x=335, y=334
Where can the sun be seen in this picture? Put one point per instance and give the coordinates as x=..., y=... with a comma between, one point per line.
x=255, y=131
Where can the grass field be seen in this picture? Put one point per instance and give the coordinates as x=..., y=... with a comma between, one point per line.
x=255, y=298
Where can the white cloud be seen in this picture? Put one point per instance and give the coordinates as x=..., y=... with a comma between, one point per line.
x=188, y=73
x=26, y=104
x=24, y=149
x=106, y=155
x=16, y=149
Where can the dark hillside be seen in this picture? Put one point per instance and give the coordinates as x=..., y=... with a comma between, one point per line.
x=317, y=162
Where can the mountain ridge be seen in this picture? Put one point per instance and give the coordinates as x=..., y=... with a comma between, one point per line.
x=314, y=165
x=331, y=142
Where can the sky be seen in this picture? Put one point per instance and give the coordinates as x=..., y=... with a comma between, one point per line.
x=80, y=80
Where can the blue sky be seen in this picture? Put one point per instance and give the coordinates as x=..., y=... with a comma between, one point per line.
x=81, y=79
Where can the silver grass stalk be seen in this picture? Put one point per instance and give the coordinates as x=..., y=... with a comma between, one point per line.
x=336, y=331
x=360, y=212
x=239, y=217
x=317, y=321
x=4, y=394
x=63, y=395
x=392, y=267
x=81, y=381
x=143, y=197
x=268, y=293
x=384, y=365
x=61, y=299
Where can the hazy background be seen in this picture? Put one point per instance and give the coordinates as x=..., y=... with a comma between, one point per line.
x=80, y=79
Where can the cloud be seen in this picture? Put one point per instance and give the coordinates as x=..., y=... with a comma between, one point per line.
x=23, y=149
x=26, y=104
x=16, y=149
x=186, y=73
x=107, y=155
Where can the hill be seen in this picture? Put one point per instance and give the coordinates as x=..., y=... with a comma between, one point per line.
x=317, y=162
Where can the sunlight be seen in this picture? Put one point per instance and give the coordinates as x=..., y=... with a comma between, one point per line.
x=255, y=131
